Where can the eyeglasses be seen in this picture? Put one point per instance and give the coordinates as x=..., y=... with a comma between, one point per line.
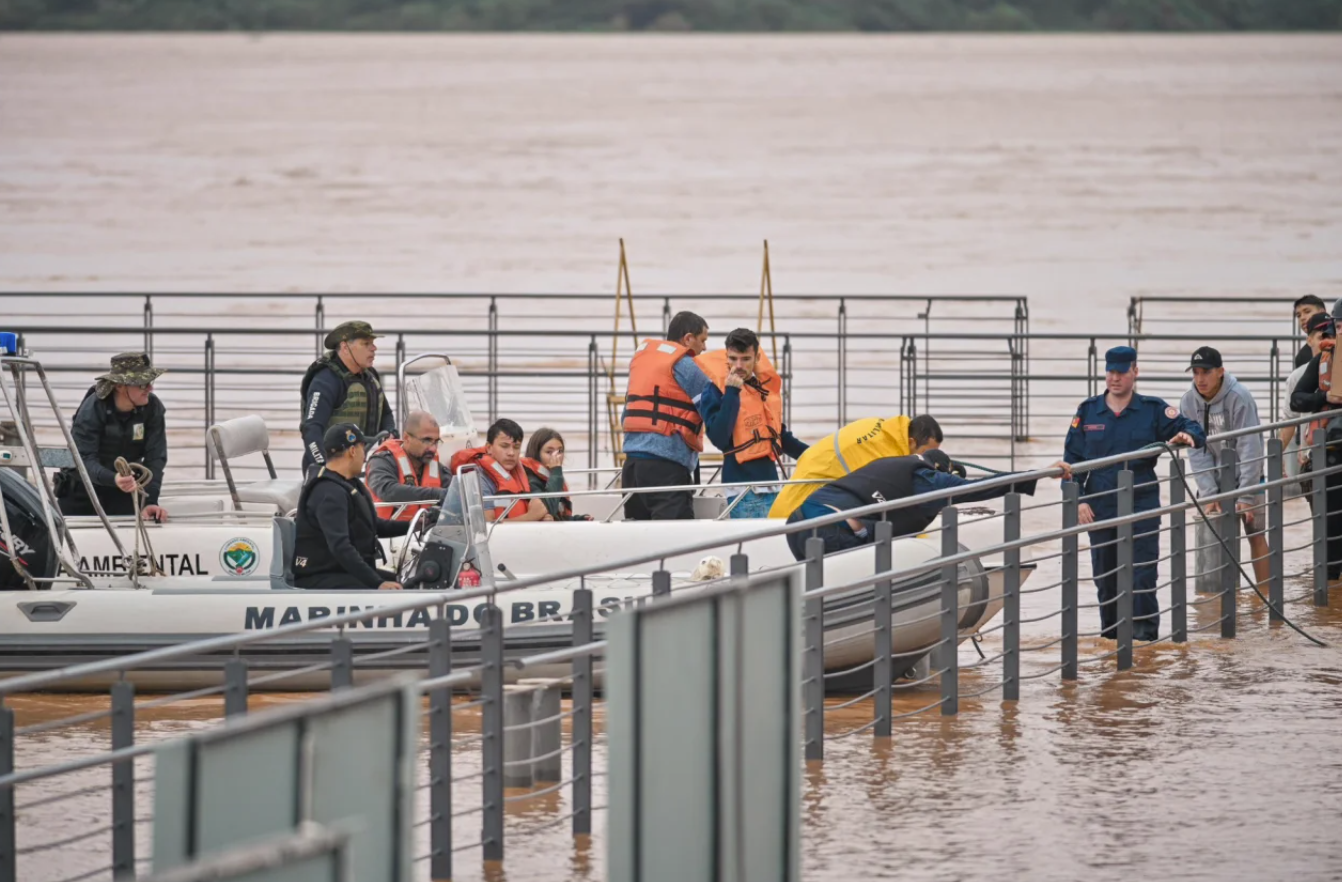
x=427, y=441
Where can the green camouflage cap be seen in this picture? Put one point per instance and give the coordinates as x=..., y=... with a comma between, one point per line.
x=349, y=331
x=132, y=369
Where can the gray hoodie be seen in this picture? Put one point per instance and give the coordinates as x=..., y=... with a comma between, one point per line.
x=1231, y=408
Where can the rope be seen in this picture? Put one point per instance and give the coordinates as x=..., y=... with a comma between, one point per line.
x=142, y=475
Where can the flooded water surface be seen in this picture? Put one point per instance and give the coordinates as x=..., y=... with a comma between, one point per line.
x=1076, y=170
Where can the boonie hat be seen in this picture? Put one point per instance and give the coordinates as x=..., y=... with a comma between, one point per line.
x=128, y=369
x=1120, y=359
x=346, y=331
x=341, y=437
x=1205, y=357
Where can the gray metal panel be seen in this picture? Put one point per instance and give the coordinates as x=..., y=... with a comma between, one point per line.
x=246, y=787
x=354, y=756
x=622, y=691
x=172, y=800
x=678, y=734
x=769, y=747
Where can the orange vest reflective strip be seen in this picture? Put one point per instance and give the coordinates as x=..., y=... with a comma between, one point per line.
x=759, y=423
x=405, y=470
x=506, y=483
x=654, y=401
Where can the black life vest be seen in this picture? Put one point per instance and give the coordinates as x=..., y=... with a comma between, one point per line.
x=885, y=480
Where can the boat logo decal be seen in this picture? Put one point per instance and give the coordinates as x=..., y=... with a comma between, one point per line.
x=239, y=557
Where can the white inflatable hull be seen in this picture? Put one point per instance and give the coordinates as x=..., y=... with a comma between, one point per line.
x=55, y=628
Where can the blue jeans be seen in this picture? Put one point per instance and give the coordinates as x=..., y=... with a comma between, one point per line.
x=755, y=505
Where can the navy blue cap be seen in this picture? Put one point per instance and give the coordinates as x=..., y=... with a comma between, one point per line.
x=1120, y=359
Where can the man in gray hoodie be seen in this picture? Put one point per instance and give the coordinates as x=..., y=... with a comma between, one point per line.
x=1221, y=404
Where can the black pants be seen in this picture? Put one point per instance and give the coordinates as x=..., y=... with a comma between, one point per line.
x=837, y=537
x=1333, y=499
x=339, y=581
x=114, y=502
x=1104, y=563
x=668, y=506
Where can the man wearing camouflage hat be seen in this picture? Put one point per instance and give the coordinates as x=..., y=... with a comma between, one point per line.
x=343, y=387
x=119, y=417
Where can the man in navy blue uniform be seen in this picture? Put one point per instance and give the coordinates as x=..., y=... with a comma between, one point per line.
x=1121, y=421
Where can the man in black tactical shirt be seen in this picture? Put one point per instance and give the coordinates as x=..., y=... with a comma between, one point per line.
x=119, y=417
x=343, y=387
x=337, y=528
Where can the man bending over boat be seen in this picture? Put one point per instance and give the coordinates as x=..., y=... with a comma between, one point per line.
x=852, y=447
x=885, y=480
x=337, y=527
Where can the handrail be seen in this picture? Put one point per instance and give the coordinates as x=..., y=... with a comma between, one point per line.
x=230, y=641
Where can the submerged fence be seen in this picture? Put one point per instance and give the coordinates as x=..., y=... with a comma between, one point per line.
x=491, y=750
x=998, y=387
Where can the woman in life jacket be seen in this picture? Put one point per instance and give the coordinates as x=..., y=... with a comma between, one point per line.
x=544, y=464
x=501, y=474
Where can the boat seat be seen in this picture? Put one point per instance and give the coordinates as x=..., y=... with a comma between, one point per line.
x=283, y=537
x=245, y=436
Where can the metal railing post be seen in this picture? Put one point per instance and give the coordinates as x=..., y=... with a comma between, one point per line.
x=843, y=363
x=593, y=411
x=319, y=317
x=950, y=614
x=661, y=583
x=209, y=403
x=8, y=839
x=880, y=671
x=491, y=682
x=1124, y=606
x=493, y=359
x=123, y=781
x=1011, y=599
x=440, y=750
x=1228, y=527
x=1071, y=500
x=1318, y=457
x=235, y=687
x=582, y=714
x=342, y=662
x=149, y=326
x=813, y=653
x=787, y=379
x=1276, y=536
x=1178, y=555
x=666, y=316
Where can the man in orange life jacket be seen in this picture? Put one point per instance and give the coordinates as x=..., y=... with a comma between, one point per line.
x=1314, y=395
x=748, y=426
x=667, y=400
x=407, y=471
x=500, y=473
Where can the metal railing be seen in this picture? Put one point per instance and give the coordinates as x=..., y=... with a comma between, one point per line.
x=465, y=770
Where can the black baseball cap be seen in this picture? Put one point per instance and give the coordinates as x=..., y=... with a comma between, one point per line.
x=1319, y=321
x=341, y=437
x=1205, y=357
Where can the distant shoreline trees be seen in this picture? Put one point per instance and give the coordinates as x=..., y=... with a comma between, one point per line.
x=673, y=15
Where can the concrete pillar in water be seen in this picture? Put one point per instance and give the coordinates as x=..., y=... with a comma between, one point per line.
x=517, y=736
x=1209, y=560
x=546, y=731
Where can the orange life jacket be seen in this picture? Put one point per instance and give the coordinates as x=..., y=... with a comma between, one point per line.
x=405, y=471
x=506, y=483
x=759, y=424
x=1325, y=385
x=654, y=401
x=534, y=467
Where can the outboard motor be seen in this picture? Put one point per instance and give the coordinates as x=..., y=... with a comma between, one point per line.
x=34, y=548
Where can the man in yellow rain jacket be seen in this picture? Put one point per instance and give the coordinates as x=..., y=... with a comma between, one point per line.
x=852, y=447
